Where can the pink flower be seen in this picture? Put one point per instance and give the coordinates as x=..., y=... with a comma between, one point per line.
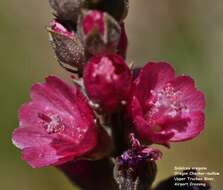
x=107, y=79
x=164, y=107
x=56, y=126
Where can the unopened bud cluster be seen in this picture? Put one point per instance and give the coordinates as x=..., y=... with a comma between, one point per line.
x=83, y=28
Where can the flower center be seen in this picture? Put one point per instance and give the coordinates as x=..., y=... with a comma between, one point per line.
x=52, y=124
x=169, y=101
x=165, y=104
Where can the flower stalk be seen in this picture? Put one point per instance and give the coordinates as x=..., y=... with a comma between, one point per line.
x=99, y=131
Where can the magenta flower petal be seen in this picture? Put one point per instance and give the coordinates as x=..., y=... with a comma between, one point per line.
x=194, y=128
x=166, y=108
x=56, y=126
x=190, y=95
x=25, y=137
x=38, y=156
x=152, y=76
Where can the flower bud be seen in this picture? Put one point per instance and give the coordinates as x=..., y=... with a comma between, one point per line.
x=67, y=47
x=99, y=32
x=107, y=79
x=116, y=8
x=56, y=126
x=66, y=9
x=164, y=107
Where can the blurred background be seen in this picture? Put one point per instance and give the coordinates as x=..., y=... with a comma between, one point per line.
x=188, y=34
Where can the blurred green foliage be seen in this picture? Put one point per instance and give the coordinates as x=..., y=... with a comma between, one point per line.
x=189, y=34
